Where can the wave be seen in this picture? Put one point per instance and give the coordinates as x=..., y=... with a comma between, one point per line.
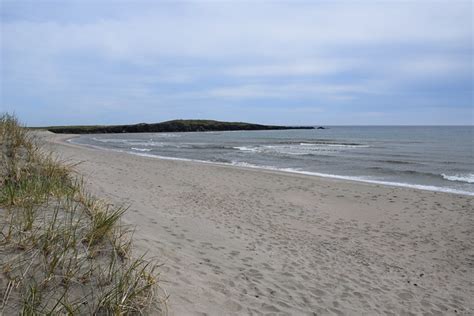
x=468, y=178
x=222, y=160
x=358, y=179
x=167, y=135
x=296, y=171
x=390, y=171
x=324, y=175
x=343, y=145
x=310, y=142
x=245, y=148
x=298, y=149
x=206, y=146
x=397, y=162
x=217, y=162
x=147, y=144
x=110, y=140
x=132, y=142
x=141, y=149
x=305, y=150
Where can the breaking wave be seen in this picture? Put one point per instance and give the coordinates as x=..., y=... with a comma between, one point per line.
x=288, y=148
x=141, y=149
x=468, y=178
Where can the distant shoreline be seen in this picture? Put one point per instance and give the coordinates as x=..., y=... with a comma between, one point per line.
x=174, y=126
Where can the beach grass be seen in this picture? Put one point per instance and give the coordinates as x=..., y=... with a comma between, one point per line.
x=62, y=250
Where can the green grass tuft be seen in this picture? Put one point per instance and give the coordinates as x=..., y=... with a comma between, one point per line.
x=63, y=251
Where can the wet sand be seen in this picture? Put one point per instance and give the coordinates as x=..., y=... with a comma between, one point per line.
x=245, y=241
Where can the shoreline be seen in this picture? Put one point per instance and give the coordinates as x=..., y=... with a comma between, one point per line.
x=249, y=166
x=239, y=240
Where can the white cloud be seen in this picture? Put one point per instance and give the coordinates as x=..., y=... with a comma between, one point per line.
x=436, y=66
x=194, y=51
x=288, y=91
x=226, y=30
x=315, y=67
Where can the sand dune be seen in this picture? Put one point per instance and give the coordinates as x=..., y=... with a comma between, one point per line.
x=240, y=241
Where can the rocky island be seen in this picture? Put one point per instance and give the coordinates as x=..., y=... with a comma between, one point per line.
x=169, y=127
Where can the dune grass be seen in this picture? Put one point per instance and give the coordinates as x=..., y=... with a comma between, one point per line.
x=63, y=251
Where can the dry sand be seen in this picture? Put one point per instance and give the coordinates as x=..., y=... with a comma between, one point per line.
x=243, y=241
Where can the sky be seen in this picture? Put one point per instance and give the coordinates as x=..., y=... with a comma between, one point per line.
x=286, y=62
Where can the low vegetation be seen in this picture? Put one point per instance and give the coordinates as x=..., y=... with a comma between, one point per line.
x=170, y=127
x=63, y=251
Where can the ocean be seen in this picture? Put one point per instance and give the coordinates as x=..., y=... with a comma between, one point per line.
x=437, y=158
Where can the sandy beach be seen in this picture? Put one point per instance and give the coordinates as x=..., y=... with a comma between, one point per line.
x=244, y=241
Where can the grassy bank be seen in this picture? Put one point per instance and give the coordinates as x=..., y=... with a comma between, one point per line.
x=61, y=249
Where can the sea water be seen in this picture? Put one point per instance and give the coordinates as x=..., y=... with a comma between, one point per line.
x=438, y=158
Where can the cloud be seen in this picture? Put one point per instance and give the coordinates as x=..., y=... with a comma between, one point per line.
x=230, y=29
x=138, y=56
x=438, y=66
x=288, y=91
x=322, y=66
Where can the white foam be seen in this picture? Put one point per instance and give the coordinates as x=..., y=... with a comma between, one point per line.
x=307, y=148
x=141, y=149
x=147, y=144
x=469, y=178
x=298, y=149
x=244, y=148
x=389, y=183
x=165, y=158
x=358, y=179
x=110, y=140
x=167, y=135
x=297, y=171
x=249, y=165
x=321, y=145
x=347, y=146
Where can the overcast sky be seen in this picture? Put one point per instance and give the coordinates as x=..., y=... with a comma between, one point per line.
x=313, y=62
